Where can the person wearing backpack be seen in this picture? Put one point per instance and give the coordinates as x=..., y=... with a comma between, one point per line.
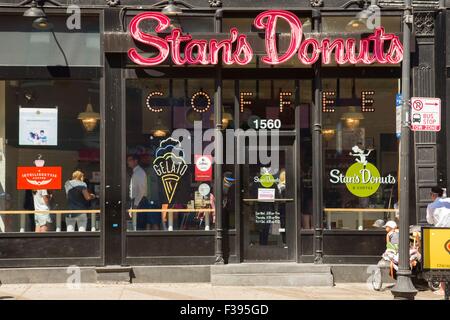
x=78, y=198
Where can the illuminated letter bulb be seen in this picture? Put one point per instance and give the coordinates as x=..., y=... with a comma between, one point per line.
x=242, y=100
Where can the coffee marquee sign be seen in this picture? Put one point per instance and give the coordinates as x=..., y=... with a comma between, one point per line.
x=183, y=49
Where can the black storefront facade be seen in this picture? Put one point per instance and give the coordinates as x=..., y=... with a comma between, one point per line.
x=322, y=221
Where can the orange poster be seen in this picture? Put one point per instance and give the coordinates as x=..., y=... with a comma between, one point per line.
x=38, y=178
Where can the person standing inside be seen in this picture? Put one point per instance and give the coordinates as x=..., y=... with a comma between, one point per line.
x=138, y=192
x=41, y=200
x=78, y=198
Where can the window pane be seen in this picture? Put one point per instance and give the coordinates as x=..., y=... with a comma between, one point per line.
x=22, y=45
x=360, y=152
x=49, y=155
x=166, y=191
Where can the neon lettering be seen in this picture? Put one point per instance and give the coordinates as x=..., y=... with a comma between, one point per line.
x=237, y=49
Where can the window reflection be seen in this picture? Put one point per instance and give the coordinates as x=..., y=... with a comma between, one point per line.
x=49, y=156
x=166, y=191
x=360, y=152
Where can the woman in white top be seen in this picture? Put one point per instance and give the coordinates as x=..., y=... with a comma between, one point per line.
x=41, y=200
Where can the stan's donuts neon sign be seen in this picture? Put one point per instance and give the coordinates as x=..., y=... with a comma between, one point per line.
x=237, y=50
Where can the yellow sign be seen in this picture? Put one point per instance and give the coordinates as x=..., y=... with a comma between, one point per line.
x=436, y=248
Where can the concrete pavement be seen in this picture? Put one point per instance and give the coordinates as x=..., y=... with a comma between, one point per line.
x=195, y=291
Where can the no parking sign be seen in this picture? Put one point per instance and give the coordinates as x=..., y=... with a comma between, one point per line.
x=425, y=114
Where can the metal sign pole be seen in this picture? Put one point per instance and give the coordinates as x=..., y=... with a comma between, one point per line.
x=404, y=289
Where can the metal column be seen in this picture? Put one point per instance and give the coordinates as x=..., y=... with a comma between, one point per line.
x=114, y=142
x=218, y=149
x=404, y=289
x=317, y=157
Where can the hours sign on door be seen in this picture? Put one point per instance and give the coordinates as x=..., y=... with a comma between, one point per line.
x=425, y=114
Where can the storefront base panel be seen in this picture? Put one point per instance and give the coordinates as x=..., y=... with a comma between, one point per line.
x=306, y=243
x=45, y=275
x=167, y=261
x=52, y=262
x=233, y=259
x=172, y=274
x=356, y=273
x=354, y=244
x=272, y=274
x=229, y=245
x=148, y=246
x=33, y=250
x=340, y=273
x=306, y=259
x=352, y=259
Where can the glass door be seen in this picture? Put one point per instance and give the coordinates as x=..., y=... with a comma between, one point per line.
x=268, y=206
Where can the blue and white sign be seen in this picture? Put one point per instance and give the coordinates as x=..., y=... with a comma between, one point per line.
x=398, y=114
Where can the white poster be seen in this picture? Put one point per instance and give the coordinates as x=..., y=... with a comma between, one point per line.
x=265, y=194
x=38, y=126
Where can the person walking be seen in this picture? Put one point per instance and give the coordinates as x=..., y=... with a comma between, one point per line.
x=78, y=198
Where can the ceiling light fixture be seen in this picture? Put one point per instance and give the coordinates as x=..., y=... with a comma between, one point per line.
x=89, y=117
x=171, y=9
x=36, y=11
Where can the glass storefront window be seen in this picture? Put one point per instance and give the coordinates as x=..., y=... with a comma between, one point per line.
x=49, y=156
x=166, y=191
x=23, y=45
x=360, y=150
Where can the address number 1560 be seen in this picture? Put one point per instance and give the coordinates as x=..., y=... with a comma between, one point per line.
x=267, y=124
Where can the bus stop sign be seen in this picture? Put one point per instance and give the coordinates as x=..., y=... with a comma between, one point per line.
x=425, y=114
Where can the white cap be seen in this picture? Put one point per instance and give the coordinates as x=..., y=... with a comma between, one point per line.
x=390, y=224
x=378, y=224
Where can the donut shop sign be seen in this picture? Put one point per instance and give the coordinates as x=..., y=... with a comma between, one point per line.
x=236, y=49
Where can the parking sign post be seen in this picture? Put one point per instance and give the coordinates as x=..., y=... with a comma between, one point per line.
x=425, y=114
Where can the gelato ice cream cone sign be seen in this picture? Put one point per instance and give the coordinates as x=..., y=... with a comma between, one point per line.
x=170, y=165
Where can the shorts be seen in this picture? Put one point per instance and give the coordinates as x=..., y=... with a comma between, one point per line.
x=41, y=219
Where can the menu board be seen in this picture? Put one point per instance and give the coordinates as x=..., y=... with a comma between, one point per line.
x=267, y=216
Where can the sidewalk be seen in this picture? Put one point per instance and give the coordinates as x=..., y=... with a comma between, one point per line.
x=195, y=291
